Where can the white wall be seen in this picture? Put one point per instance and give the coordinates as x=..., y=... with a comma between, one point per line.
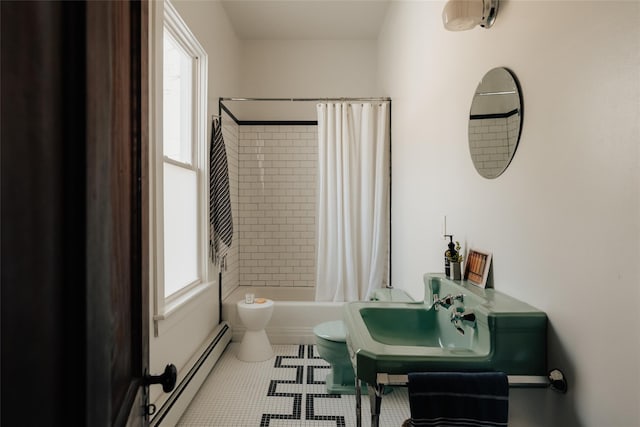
x=563, y=222
x=209, y=22
x=191, y=326
x=307, y=68
x=304, y=69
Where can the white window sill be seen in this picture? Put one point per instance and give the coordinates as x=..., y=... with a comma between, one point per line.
x=176, y=309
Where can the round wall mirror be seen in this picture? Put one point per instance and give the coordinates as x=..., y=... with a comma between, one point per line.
x=495, y=122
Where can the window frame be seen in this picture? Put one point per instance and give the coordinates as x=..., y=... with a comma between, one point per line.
x=164, y=15
x=182, y=45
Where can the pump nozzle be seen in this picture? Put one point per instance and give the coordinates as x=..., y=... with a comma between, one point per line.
x=452, y=246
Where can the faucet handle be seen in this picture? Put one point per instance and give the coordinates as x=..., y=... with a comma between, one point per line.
x=458, y=326
x=448, y=300
x=459, y=318
x=467, y=315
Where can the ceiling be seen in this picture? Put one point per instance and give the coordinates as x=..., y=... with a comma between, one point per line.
x=306, y=19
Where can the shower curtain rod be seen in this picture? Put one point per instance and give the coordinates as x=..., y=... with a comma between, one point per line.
x=307, y=99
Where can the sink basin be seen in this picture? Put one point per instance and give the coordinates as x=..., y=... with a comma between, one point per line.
x=398, y=338
x=414, y=327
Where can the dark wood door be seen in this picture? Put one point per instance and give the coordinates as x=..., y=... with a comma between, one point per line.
x=74, y=213
x=116, y=88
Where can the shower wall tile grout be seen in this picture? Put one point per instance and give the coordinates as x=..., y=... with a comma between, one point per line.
x=276, y=205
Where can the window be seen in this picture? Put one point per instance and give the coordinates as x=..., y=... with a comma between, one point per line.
x=177, y=111
x=180, y=180
x=179, y=164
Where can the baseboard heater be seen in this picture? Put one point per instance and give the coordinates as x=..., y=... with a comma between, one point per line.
x=172, y=409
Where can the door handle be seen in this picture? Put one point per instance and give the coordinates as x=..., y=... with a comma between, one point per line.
x=167, y=379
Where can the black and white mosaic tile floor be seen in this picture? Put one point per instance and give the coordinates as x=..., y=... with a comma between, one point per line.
x=284, y=391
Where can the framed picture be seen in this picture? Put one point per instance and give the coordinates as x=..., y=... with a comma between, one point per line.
x=477, y=266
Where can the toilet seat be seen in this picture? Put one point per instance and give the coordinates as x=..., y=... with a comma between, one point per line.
x=332, y=331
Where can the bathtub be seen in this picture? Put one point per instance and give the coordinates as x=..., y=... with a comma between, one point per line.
x=295, y=313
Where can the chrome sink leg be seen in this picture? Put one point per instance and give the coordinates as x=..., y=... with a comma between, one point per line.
x=375, y=400
x=358, y=403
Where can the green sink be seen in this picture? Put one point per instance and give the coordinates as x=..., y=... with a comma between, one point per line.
x=398, y=338
x=414, y=327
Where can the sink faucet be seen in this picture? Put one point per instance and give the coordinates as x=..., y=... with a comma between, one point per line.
x=446, y=301
x=459, y=318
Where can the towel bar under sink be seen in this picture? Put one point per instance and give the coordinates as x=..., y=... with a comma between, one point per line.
x=514, y=380
x=554, y=380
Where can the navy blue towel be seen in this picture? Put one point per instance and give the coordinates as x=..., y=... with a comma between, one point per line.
x=479, y=399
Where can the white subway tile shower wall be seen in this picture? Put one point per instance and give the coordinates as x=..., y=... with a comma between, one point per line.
x=230, y=275
x=277, y=205
x=503, y=133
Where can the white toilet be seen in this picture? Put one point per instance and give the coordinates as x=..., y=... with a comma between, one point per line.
x=255, y=345
x=331, y=342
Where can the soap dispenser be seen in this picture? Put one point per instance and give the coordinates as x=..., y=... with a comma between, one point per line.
x=448, y=254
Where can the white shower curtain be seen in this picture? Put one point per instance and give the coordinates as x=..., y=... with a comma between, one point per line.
x=352, y=193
